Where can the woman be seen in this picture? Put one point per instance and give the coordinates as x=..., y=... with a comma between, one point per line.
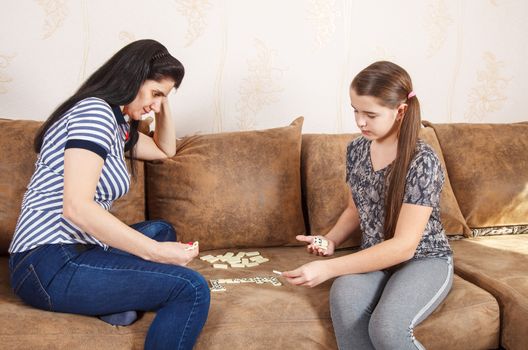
x=69, y=254
x=404, y=268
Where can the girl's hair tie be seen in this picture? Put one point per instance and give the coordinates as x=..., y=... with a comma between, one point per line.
x=411, y=95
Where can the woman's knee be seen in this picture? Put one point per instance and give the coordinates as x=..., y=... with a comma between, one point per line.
x=160, y=230
x=194, y=288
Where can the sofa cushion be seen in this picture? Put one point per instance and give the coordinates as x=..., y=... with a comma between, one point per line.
x=487, y=167
x=450, y=214
x=499, y=265
x=249, y=316
x=325, y=192
x=17, y=165
x=231, y=189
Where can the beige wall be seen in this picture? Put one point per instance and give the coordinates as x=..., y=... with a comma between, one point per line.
x=260, y=63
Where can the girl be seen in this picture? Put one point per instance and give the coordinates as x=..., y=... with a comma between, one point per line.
x=404, y=268
x=69, y=254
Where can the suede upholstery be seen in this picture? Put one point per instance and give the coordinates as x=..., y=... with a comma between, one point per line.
x=450, y=214
x=325, y=192
x=485, y=308
x=16, y=168
x=249, y=188
x=491, y=190
x=249, y=316
x=503, y=272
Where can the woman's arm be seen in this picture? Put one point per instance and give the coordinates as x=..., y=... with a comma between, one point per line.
x=82, y=169
x=409, y=230
x=163, y=143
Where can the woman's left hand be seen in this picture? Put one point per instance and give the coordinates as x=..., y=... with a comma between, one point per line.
x=308, y=275
x=164, y=108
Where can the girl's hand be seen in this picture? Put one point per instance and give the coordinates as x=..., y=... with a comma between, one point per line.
x=174, y=253
x=312, y=249
x=308, y=275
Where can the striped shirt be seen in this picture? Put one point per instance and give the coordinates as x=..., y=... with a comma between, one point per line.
x=90, y=124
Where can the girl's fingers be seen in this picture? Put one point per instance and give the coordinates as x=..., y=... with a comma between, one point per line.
x=303, y=238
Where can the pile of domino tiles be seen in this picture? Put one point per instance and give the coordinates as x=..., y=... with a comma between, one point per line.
x=241, y=259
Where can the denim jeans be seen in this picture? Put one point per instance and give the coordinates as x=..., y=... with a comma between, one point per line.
x=87, y=280
x=379, y=310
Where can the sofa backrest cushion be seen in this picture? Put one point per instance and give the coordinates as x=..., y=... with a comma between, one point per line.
x=232, y=189
x=450, y=214
x=17, y=164
x=325, y=191
x=487, y=166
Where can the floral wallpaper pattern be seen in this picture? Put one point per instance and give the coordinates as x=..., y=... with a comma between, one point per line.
x=55, y=13
x=260, y=87
x=255, y=64
x=195, y=11
x=5, y=78
x=437, y=23
x=323, y=13
x=488, y=94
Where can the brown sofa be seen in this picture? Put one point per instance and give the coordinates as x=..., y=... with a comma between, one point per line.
x=255, y=191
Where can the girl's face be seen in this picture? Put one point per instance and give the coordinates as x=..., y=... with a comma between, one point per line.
x=375, y=121
x=149, y=98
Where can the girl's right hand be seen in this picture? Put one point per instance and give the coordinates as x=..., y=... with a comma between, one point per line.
x=316, y=250
x=174, y=253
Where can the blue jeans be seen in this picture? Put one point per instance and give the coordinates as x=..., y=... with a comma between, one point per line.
x=87, y=280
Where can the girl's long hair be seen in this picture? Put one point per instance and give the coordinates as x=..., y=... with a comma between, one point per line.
x=118, y=82
x=391, y=85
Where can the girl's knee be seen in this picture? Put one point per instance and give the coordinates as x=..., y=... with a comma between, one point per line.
x=338, y=289
x=344, y=291
x=389, y=333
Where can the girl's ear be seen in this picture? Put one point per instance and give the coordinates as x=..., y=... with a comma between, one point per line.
x=402, y=109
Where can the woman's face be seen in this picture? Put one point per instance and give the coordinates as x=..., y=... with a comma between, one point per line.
x=149, y=98
x=373, y=119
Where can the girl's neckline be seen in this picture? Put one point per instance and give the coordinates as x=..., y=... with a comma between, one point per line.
x=371, y=164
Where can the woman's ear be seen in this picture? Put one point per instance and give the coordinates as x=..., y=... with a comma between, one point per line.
x=402, y=109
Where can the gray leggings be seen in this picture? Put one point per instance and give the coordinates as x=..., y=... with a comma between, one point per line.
x=379, y=310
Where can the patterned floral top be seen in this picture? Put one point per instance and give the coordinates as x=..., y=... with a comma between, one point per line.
x=423, y=186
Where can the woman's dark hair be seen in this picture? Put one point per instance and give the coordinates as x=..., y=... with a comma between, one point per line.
x=118, y=82
x=391, y=85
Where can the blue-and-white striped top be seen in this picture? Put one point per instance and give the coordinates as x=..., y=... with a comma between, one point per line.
x=90, y=124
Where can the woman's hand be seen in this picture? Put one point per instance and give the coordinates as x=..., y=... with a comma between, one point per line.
x=308, y=275
x=174, y=253
x=313, y=249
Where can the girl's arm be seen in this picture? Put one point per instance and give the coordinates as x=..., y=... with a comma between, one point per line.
x=82, y=169
x=409, y=230
x=347, y=223
x=163, y=143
